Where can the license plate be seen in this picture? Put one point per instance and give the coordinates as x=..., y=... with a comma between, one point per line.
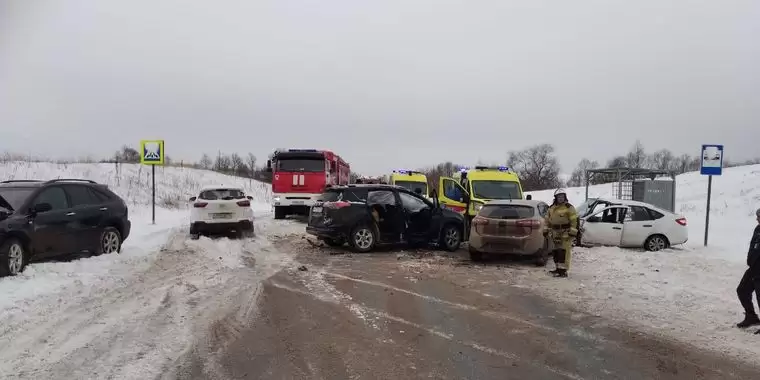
x=221, y=216
x=297, y=202
x=317, y=209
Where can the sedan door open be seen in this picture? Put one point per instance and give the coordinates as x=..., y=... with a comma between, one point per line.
x=604, y=227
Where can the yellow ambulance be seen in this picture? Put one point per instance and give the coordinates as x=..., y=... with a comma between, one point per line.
x=412, y=180
x=469, y=189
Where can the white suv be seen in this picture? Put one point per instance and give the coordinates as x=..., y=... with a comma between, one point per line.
x=221, y=210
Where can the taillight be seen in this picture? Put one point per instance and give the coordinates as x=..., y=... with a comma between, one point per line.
x=200, y=204
x=338, y=204
x=532, y=223
x=681, y=221
x=479, y=221
x=245, y=203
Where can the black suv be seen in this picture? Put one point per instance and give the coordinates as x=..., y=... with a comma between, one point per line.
x=367, y=215
x=42, y=219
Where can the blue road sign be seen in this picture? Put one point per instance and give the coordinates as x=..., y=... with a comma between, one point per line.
x=712, y=159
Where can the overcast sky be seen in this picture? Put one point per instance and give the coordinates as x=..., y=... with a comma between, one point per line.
x=386, y=84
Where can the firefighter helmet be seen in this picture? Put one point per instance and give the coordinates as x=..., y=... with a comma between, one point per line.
x=560, y=191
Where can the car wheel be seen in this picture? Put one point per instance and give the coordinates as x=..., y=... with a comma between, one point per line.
x=12, y=258
x=110, y=241
x=656, y=243
x=476, y=255
x=363, y=238
x=334, y=242
x=451, y=237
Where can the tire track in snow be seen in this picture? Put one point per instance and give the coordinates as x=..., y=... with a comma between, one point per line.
x=142, y=326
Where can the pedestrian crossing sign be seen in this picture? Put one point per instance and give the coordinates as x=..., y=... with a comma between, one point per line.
x=152, y=152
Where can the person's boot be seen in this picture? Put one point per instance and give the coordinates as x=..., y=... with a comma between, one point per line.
x=561, y=273
x=554, y=272
x=749, y=320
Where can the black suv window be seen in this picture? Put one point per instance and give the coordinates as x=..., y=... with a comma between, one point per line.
x=411, y=203
x=15, y=196
x=381, y=197
x=55, y=196
x=348, y=195
x=81, y=195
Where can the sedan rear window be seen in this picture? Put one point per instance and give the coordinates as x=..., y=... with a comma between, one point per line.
x=222, y=194
x=507, y=211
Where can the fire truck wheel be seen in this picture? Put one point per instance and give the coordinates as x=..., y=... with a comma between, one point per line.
x=279, y=212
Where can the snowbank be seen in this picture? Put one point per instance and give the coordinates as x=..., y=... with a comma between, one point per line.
x=687, y=293
x=174, y=185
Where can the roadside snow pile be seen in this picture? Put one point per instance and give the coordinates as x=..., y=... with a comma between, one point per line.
x=174, y=185
x=687, y=293
x=735, y=197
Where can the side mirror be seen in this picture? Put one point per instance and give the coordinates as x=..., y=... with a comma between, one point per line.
x=528, y=197
x=42, y=207
x=250, y=198
x=594, y=219
x=192, y=199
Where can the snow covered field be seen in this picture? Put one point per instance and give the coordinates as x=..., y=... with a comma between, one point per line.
x=688, y=292
x=66, y=319
x=134, y=315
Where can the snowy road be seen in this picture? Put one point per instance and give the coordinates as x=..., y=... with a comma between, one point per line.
x=139, y=324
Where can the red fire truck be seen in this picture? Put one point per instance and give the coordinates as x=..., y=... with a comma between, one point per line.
x=299, y=176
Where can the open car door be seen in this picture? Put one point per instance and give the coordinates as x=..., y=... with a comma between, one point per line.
x=452, y=195
x=604, y=227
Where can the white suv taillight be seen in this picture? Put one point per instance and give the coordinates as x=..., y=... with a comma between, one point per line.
x=245, y=203
x=200, y=204
x=681, y=221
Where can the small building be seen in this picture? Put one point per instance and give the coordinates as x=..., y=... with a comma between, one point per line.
x=637, y=184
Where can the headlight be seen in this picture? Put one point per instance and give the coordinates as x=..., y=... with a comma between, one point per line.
x=277, y=198
x=477, y=206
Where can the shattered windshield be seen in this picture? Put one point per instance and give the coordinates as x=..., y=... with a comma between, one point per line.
x=496, y=190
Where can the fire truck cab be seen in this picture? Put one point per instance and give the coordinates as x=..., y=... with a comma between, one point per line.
x=299, y=177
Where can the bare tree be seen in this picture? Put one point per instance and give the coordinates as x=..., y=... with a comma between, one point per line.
x=127, y=155
x=636, y=157
x=251, y=162
x=223, y=163
x=205, y=162
x=617, y=162
x=578, y=177
x=662, y=159
x=236, y=163
x=536, y=166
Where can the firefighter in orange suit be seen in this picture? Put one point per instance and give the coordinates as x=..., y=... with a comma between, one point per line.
x=562, y=228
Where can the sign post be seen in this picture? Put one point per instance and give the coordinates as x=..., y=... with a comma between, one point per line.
x=152, y=153
x=712, y=164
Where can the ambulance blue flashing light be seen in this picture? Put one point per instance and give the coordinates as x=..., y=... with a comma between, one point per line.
x=503, y=169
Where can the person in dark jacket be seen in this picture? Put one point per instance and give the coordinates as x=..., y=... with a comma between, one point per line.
x=750, y=282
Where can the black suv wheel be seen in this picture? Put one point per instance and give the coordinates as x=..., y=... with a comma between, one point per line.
x=451, y=237
x=363, y=238
x=110, y=241
x=12, y=258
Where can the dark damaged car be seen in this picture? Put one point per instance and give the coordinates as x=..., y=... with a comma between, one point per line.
x=365, y=216
x=44, y=219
